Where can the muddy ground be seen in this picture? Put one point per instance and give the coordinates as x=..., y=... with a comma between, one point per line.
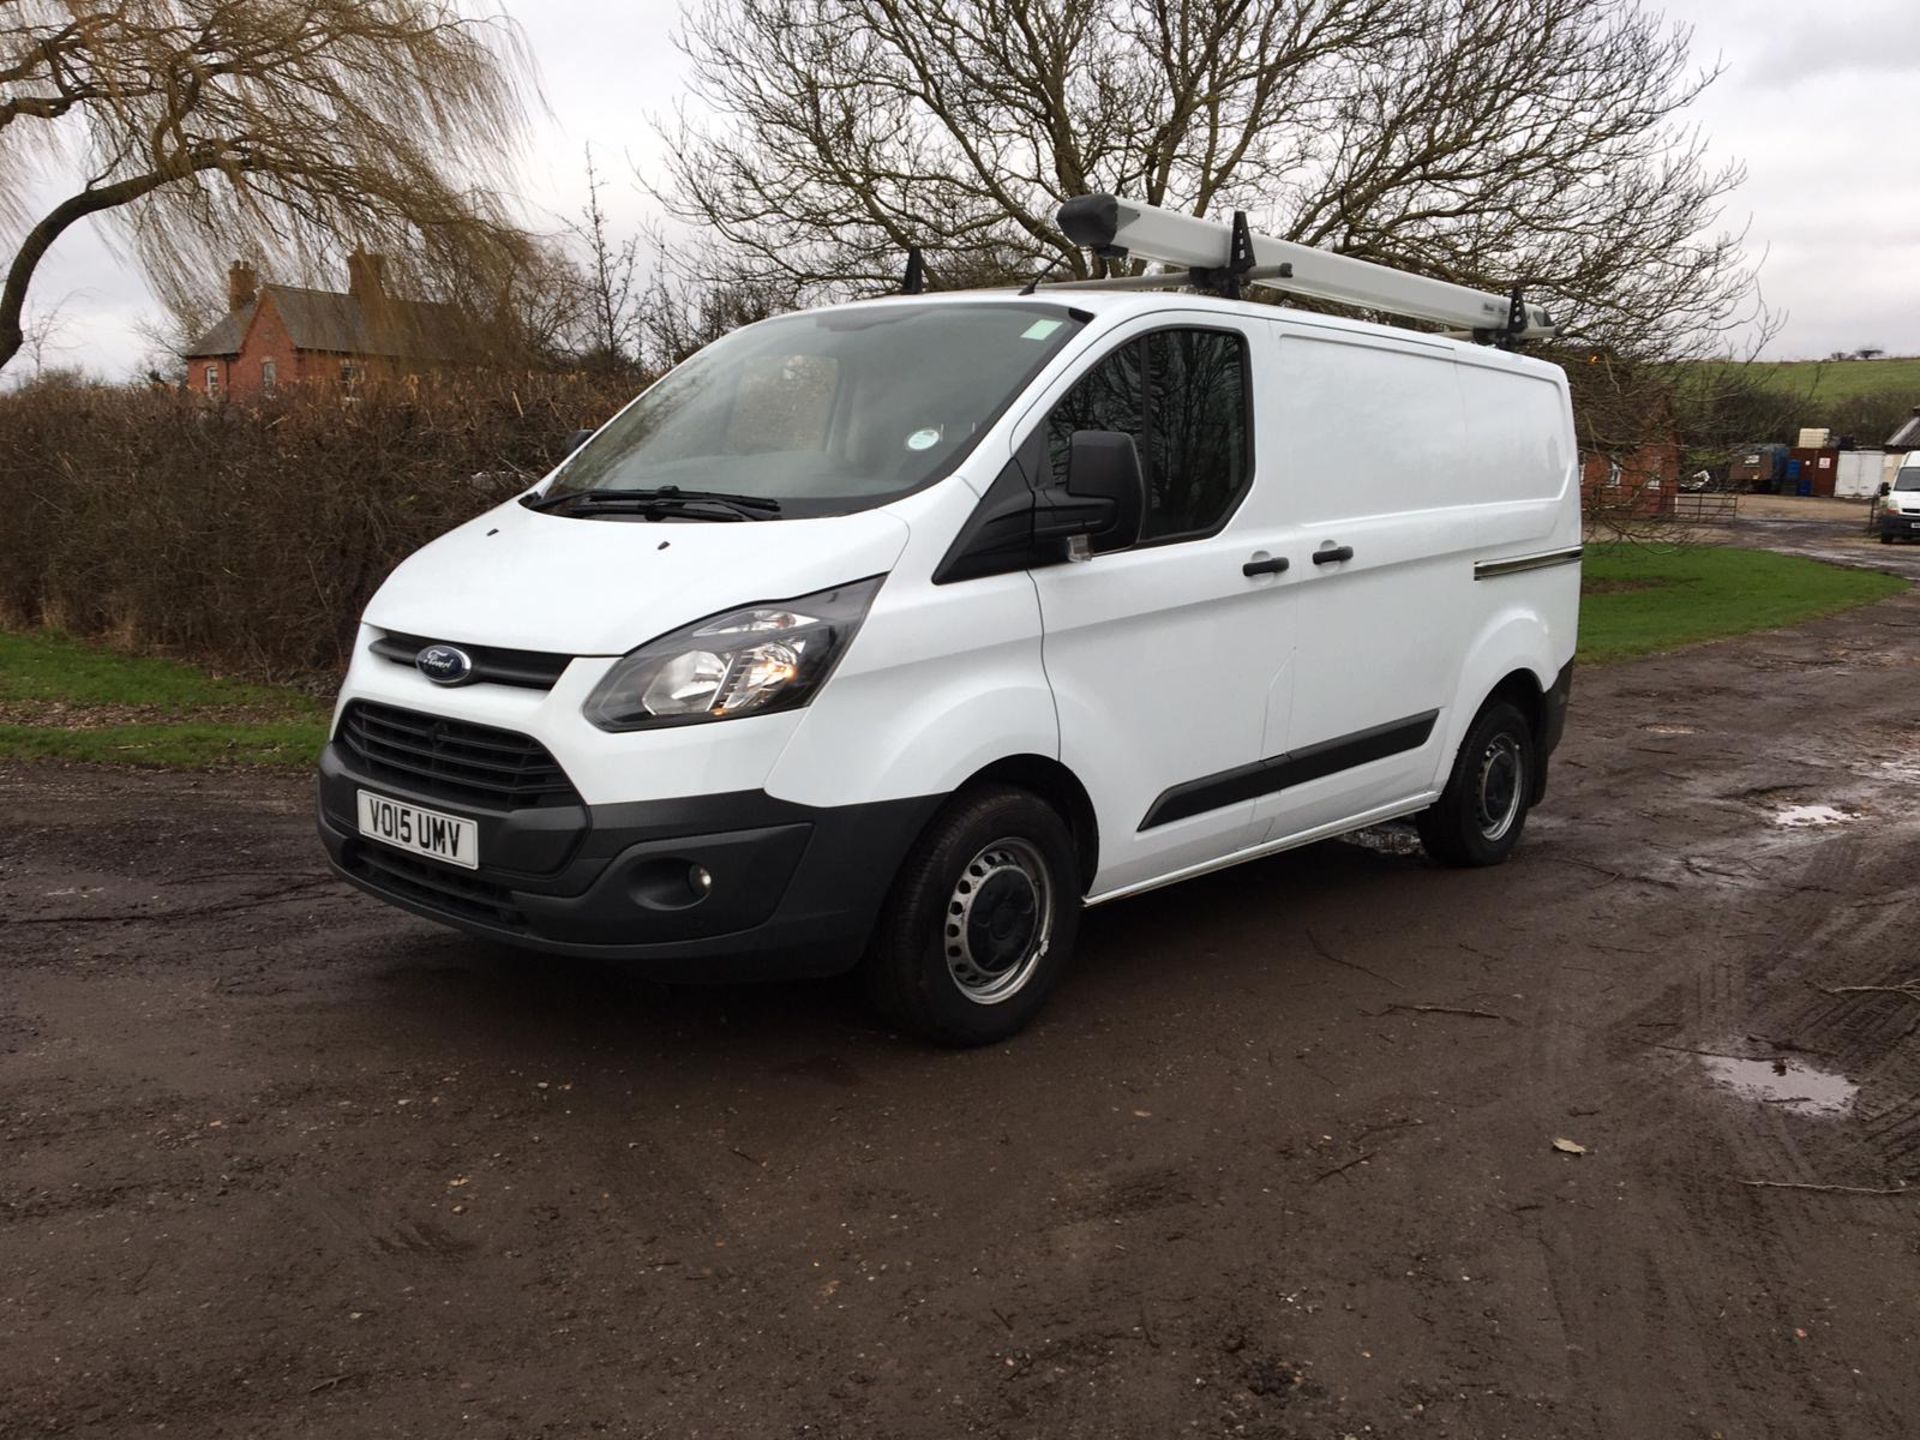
x=277, y=1161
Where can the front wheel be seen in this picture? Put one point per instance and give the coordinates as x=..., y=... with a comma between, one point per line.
x=980, y=921
x=1479, y=816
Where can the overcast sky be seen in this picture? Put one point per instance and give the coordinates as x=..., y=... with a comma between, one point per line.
x=1818, y=100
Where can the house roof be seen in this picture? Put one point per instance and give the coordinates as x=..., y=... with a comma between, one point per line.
x=226, y=337
x=338, y=324
x=1907, y=437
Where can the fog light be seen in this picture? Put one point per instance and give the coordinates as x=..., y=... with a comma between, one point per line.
x=699, y=879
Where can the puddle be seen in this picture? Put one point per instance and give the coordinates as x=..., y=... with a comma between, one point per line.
x=1786, y=1083
x=1803, y=817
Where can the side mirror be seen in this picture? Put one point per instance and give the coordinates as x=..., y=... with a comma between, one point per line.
x=1105, y=499
x=575, y=441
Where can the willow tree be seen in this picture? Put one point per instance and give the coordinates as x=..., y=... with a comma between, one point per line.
x=201, y=130
x=1485, y=141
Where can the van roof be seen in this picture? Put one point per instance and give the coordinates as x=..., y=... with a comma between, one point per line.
x=1116, y=305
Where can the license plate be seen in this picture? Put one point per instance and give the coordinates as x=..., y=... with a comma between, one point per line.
x=424, y=832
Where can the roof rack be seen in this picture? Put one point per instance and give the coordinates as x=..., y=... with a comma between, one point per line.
x=1222, y=257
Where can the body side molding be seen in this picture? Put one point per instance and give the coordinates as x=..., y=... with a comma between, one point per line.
x=1297, y=767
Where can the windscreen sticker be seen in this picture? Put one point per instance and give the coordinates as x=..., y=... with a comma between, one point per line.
x=1040, y=329
x=923, y=439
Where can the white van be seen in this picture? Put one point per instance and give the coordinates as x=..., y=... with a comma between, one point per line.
x=1900, y=506
x=893, y=633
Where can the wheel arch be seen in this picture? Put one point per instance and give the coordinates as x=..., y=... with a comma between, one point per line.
x=1054, y=783
x=1511, y=659
x=1522, y=689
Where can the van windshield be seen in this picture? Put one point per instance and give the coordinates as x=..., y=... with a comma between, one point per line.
x=1908, y=478
x=829, y=411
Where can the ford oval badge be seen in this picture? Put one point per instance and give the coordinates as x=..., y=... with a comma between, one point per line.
x=444, y=664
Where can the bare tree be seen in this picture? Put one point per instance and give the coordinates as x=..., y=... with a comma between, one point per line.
x=1486, y=141
x=611, y=290
x=269, y=128
x=686, y=312
x=40, y=332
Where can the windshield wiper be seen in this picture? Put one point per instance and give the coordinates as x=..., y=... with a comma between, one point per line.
x=660, y=500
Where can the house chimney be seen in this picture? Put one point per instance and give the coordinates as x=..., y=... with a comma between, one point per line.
x=366, y=276
x=242, y=285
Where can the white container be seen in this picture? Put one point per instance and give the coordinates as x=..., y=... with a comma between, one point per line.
x=1815, y=439
x=1859, y=474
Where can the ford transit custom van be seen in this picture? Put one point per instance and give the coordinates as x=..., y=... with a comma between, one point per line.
x=893, y=634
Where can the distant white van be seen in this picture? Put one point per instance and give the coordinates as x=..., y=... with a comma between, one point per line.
x=892, y=634
x=1900, y=506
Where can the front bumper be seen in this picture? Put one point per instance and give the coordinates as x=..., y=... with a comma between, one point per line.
x=795, y=888
x=1904, y=526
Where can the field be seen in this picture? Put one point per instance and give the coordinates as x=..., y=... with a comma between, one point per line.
x=1834, y=381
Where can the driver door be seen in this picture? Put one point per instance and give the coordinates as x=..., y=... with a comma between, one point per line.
x=1165, y=658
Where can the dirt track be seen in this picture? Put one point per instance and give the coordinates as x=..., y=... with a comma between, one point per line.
x=276, y=1161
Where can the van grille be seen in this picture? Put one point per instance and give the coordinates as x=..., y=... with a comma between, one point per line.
x=436, y=886
x=454, y=759
x=534, y=669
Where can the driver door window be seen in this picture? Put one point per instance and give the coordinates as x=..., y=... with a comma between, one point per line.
x=1183, y=396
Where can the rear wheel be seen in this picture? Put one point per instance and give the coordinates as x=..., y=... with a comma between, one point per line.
x=980, y=922
x=1479, y=817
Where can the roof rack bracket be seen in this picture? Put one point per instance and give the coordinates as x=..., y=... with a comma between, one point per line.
x=1227, y=280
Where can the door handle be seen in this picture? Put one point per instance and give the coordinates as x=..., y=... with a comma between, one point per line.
x=1333, y=555
x=1272, y=565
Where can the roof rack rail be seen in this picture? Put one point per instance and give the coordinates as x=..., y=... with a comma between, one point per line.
x=1222, y=256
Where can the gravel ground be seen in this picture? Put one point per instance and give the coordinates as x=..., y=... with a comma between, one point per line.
x=1280, y=1161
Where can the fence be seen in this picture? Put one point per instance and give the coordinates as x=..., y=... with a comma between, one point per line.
x=1703, y=508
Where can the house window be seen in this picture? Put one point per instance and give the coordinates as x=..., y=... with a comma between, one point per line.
x=269, y=376
x=349, y=374
x=213, y=379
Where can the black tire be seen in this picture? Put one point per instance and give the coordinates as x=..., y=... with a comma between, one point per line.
x=980, y=922
x=1482, y=811
x=1885, y=538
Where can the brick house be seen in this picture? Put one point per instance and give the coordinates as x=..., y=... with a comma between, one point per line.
x=1641, y=482
x=274, y=335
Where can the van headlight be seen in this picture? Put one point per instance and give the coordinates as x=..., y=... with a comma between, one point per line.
x=752, y=661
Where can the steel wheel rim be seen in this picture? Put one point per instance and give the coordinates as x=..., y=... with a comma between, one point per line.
x=1497, y=791
x=999, y=921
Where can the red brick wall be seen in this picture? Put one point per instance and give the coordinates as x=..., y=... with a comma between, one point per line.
x=267, y=339
x=1645, y=485
x=197, y=376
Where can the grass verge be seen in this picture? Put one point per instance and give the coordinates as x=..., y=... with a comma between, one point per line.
x=61, y=699
x=293, y=745
x=1641, y=599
